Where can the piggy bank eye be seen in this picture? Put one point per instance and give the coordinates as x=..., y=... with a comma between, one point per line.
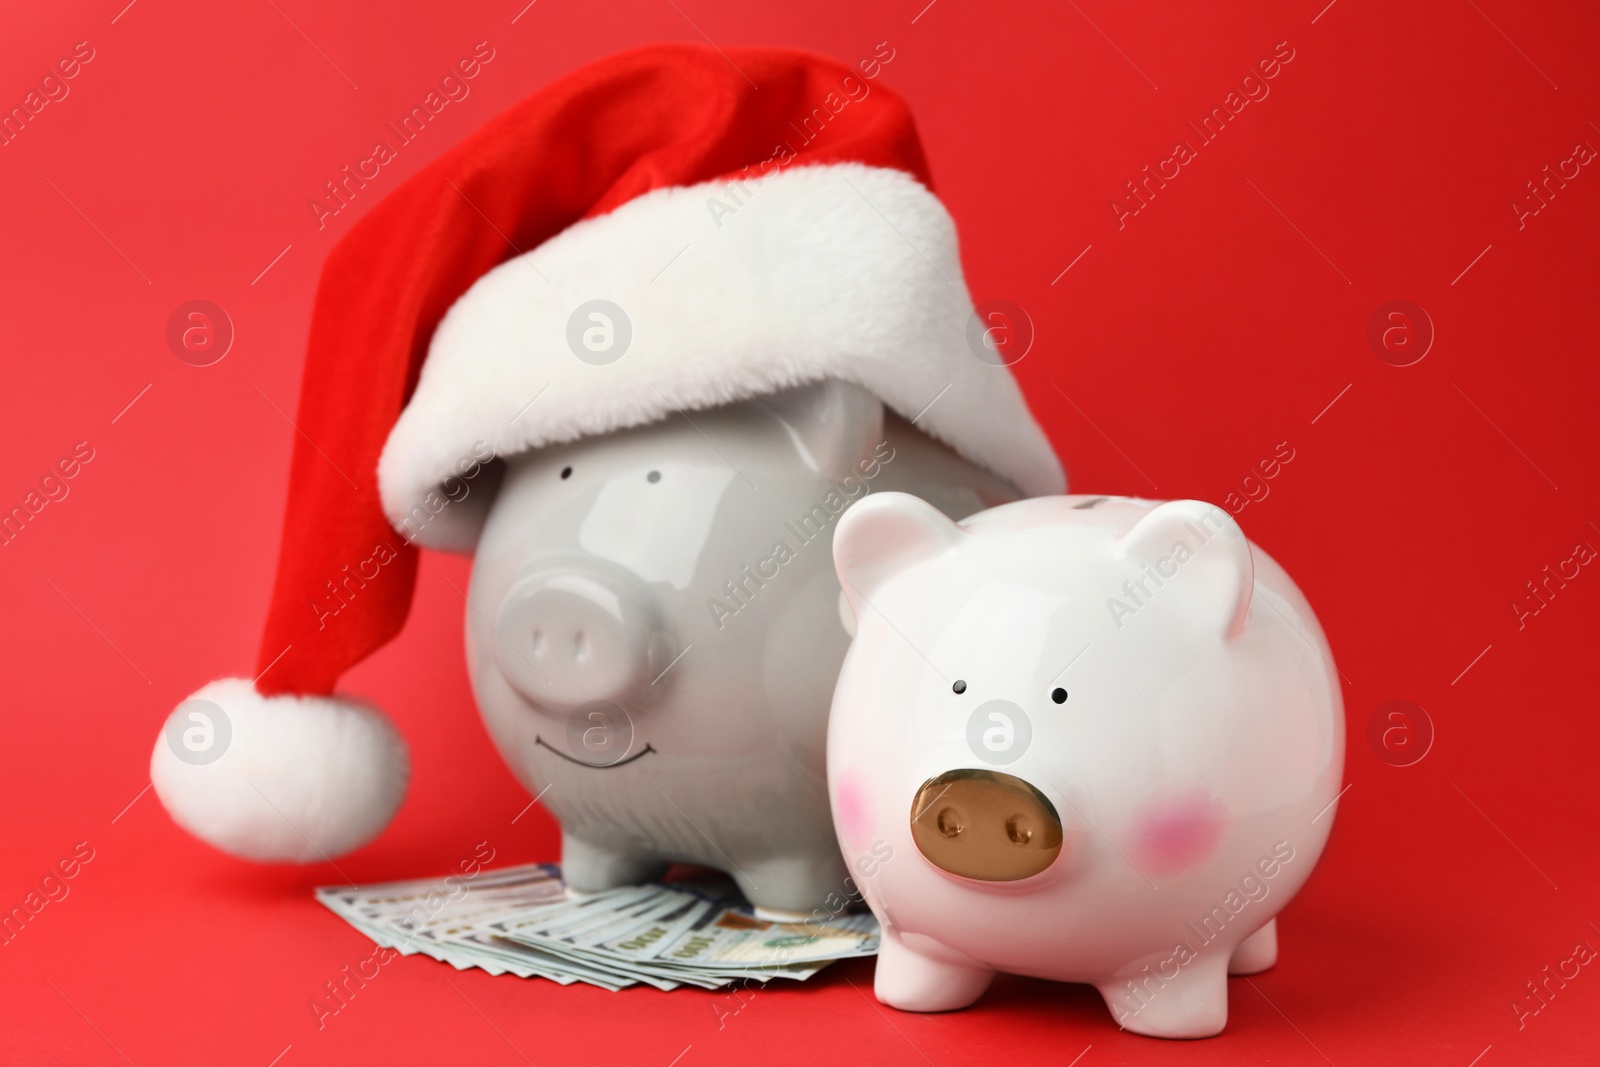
x=1059, y=695
x=653, y=477
x=959, y=688
x=566, y=472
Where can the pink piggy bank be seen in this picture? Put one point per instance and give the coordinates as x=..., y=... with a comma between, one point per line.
x=1087, y=739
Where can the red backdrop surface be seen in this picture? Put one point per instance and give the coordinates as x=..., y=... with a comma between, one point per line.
x=1176, y=347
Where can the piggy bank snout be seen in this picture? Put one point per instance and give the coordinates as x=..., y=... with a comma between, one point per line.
x=568, y=636
x=985, y=825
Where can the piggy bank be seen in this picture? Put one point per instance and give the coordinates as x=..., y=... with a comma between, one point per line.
x=656, y=628
x=1085, y=739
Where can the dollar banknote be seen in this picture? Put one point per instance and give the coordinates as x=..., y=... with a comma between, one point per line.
x=697, y=931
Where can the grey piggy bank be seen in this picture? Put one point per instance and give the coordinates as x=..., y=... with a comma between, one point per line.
x=655, y=631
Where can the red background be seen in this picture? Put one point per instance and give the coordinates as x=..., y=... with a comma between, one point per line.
x=1220, y=321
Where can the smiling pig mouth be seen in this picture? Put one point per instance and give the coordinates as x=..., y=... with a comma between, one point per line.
x=641, y=754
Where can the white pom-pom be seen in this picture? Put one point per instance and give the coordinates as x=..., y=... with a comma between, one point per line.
x=294, y=779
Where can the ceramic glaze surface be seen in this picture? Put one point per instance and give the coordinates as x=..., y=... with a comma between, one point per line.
x=655, y=629
x=1080, y=738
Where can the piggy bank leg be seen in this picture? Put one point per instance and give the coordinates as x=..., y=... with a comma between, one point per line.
x=795, y=888
x=1257, y=952
x=589, y=868
x=1192, y=1004
x=926, y=978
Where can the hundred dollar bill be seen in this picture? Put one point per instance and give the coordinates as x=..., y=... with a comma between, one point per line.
x=523, y=921
x=736, y=939
x=400, y=908
x=692, y=933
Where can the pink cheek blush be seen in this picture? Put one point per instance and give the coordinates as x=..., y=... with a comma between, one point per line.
x=853, y=812
x=1176, y=833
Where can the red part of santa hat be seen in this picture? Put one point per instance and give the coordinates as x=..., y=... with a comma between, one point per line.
x=790, y=196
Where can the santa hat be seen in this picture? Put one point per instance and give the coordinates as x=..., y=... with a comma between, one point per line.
x=753, y=219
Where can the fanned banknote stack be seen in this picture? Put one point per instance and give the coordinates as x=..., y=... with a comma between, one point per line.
x=522, y=921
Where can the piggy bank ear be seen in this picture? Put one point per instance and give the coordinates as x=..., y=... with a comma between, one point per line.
x=834, y=424
x=1198, y=553
x=881, y=535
